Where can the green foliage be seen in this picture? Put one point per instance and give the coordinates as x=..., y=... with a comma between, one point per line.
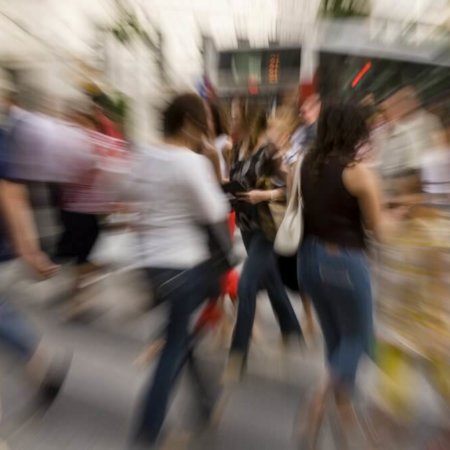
x=115, y=107
x=128, y=28
x=345, y=8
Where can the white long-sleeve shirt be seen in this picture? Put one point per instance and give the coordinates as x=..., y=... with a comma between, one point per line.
x=409, y=140
x=177, y=192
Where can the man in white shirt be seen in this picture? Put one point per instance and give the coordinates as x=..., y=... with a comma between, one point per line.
x=19, y=239
x=411, y=134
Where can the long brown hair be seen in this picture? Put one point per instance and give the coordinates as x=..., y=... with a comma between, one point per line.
x=253, y=124
x=219, y=119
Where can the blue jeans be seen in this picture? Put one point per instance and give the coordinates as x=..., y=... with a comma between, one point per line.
x=261, y=271
x=338, y=282
x=16, y=333
x=185, y=291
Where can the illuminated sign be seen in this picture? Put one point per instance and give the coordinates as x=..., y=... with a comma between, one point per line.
x=360, y=75
x=274, y=68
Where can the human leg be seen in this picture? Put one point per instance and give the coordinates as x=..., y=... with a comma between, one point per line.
x=250, y=280
x=184, y=291
x=278, y=297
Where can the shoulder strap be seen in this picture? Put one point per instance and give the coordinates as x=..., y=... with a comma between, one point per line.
x=298, y=174
x=296, y=190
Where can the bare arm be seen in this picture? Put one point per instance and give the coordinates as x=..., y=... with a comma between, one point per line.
x=19, y=219
x=362, y=183
x=227, y=152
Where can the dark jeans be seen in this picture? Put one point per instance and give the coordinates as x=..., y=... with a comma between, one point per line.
x=16, y=332
x=261, y=271
x=185, y=291
x=79, y=236
x=337, y=280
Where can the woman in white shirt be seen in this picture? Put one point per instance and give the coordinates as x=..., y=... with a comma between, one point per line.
x=221, y=138
x=178, y=194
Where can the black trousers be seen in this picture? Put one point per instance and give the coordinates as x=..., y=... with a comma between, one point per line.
x=79, y=236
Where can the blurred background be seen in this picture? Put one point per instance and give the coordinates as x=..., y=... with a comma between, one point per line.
x=131, y=57
x=138, y=52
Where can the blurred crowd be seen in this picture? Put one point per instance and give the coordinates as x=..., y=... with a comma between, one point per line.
x=366, y=184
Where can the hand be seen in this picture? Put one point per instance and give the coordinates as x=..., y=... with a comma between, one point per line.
x=41, y=264
x=399, y=212
x=254, y=197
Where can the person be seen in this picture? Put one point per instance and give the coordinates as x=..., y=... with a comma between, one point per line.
x=80, y=230
x=282, y=126
x=179, y=195
x=284, y=133
x=412, y=298
x=207, y=149
x=19, y=239
x=300, y=142
x=86, y=196
x=305, y=133
x=341, y=200
x=413, y=134
x=221, y=138
x=213, y=315
x=257, y=167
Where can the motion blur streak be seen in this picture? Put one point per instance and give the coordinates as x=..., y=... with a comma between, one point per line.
x=150, y=150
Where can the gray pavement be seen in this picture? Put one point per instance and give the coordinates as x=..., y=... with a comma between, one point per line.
x=100, y=396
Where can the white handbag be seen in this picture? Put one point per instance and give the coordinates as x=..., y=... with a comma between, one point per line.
x=290, y=233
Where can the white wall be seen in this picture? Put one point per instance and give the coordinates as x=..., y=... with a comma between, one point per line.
x=47, y=52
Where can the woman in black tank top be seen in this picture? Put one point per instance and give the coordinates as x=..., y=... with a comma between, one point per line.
x=339, y=195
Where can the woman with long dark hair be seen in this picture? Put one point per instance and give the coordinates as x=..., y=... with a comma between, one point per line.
x=257, y=167
x=341, y=204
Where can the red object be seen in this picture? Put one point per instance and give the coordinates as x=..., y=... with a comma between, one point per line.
x=232, y=223
x=308, y=88
x=253, y=88
x=230, y=285
x=213, y=311
x=359, y=76
x=108, y=127
x=209, y=316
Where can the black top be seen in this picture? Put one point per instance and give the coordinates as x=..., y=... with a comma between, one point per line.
x=330, y=212
x=251, y=173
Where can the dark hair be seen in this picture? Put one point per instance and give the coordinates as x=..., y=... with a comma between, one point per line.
x=219, y=119
x=184, y=107
x=341, y=131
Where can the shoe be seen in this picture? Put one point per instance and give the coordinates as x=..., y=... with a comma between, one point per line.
x=141, y=442
x=53, y=382
x=141, y=445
